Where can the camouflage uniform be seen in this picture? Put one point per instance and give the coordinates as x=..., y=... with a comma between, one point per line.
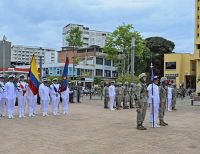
x=141, y=103
x=106, y=96
x=126, y=96
x=118, y=97
x=132, y=95
x=163, y=98
x=174, y=95
x=121, y=93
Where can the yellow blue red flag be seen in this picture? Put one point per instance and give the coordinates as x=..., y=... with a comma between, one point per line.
x=33, y=82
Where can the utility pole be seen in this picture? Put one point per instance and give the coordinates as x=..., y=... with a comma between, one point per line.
x=132, y=58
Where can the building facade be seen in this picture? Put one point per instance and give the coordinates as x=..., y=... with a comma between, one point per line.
x=89, y=37
x=22, y=54
x=5, y=53
x=185, y=68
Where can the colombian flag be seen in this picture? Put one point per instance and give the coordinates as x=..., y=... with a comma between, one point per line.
x=64, y=76
x=33, y=82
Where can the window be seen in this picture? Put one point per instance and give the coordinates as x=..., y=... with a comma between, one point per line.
x=99, y=61
x=193, y=66
x=99, y=72
x=114, y=74
x=107, y=62
x=107, y=73
x=170, y=65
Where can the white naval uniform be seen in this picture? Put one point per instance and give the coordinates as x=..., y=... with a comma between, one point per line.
x=156, y=101
x=55, y=97
x=32, y=101
x=111, y=92
x=21, y=95
x=10, y=91
x=2, y=98
x=65, y=101
x=44, y=93
x=169, y=98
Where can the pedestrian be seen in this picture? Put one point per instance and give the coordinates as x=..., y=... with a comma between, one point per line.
x=126, y=96
x=2, y=96
x=31, y=101
x=132, y=95
x=169, y=97
x=117, y=97
x=111, y=92
x=21, y=95
x=55, y=96
x=141, y=102
x=174, y=96
x=65, y=100
x=163, y=98
x=10, y=92
x=44, y=93
x=79, y=88
x=106, y=95
x=154, y=100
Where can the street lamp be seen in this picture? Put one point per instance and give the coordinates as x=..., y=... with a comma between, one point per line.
x=4, y=43
x=132, y=58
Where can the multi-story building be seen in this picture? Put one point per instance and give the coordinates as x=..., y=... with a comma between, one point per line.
x=185, y=68
x=89, y=37
x=22, y=54
x=5, y=53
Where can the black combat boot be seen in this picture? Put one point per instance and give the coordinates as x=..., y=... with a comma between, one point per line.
x=162, y=123
x=140, y=127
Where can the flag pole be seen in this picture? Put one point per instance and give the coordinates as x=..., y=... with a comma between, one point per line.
x=152, y=80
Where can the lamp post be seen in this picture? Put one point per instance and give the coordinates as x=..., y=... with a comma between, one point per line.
x=4, y=43
x=132, y=58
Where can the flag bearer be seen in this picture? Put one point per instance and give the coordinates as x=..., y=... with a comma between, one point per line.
x=55, y=96
x=65, y=100
x=44, y=93
x=10, y=92
x=21, y=95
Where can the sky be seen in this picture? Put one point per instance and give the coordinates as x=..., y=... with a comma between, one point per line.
x=40, y=22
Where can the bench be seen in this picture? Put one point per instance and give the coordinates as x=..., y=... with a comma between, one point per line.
x=195, y=99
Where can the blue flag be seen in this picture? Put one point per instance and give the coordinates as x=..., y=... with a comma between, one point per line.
x=152, y=75
x=64, y=76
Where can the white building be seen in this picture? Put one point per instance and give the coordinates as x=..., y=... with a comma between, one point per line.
x=89, y=37
x=23, y=54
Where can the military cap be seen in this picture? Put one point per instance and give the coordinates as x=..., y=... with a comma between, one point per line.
x=22, y=75
x=163, y=79
x=132, y=84
x=156, y=77
x=44, y=80
x=1, y=76
x=55, y=79
x=126, y=83
x=174, y=84
x=11, y=76
x=142, y=75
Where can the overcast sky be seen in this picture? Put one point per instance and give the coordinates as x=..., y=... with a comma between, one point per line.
x=40, y=22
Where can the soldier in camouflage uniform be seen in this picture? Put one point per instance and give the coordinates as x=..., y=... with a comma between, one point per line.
x=118, y=97
x=121, y=93
x=126, y=96
x=163, y=98
x=174, y=95
x=141, y=102
x=132, y=95
x=106, y=96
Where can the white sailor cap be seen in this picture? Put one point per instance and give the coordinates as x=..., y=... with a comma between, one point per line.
x=55, y=79
x=44, y=80
x=163, y=79
x=11, y=76
x=22, y=75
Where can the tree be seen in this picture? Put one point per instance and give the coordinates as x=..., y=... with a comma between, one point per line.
x=158, y=46
x=118, y=49
x=74, y=40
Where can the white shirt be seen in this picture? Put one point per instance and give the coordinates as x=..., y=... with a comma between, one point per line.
x=155, y=96
x=111, y=91
x=22, y=87
x=29, y=92
x=10, y=90
x=52, y=90
x=65, y=94
x=169, y=94
x=44, y=92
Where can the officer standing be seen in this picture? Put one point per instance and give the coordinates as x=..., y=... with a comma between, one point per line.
x=118, y=97
x=31, y=101
x=44, y=93
x=106, y=95
x=132, y=95
x=163, y=99
x=55, y=96
x=141, y=103
x=174, y=95
x=21, y=95
x=10, y=92
x=79, y=91
x=71, y=95
x=2, y=96
x=111, y=92
x=156, y=100
x=169, y=97
x=65, y=100
x=126, y=96
x=121, y=93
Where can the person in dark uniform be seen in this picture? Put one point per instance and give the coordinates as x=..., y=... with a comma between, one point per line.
x=79, y=92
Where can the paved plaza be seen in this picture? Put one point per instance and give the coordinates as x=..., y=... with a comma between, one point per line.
x=90, y=129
